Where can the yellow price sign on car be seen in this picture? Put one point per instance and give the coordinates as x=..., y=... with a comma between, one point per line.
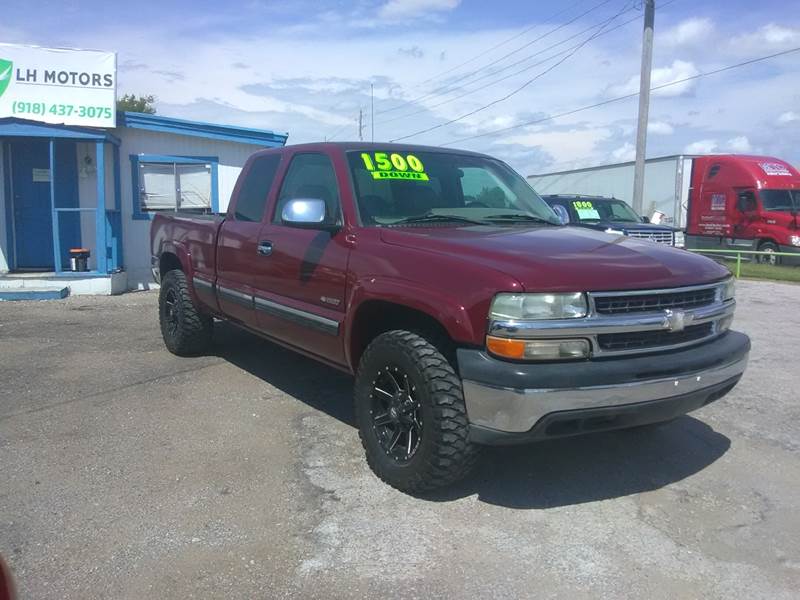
x=384, y=165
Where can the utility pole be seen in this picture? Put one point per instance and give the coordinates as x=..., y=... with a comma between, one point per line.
x=372, y=109
x=360, y=125
x=644, y=104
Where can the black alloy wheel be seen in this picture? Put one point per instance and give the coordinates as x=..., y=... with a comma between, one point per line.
x=396, y=413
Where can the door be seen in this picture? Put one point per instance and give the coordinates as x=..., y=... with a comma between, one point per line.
x=300, y=284
x=33, y=216
x=237, y=243
x=745, y=215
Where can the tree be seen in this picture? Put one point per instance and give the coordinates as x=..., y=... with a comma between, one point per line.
x=140, y=104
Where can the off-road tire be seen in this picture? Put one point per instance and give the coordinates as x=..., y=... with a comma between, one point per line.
x=186, y=331
x=444, y=453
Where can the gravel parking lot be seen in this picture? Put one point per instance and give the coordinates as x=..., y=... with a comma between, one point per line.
x=130, y=473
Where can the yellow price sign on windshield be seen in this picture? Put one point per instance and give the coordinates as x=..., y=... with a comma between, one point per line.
x=383, y=165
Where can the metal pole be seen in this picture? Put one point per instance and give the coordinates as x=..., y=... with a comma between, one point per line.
x=360, y=125
x=644, y=104
x=372, y=109
x=56, y=227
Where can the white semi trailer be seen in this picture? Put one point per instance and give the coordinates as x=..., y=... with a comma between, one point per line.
x=666, y=185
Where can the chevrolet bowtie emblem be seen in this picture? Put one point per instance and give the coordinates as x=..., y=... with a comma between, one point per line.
x=677, y=320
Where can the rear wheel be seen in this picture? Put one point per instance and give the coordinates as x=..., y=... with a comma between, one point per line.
x=411, y=415
x=186, y=331
x=768, y=259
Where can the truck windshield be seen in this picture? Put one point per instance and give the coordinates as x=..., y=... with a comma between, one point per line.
x=603, y=209
x=398, y=187
x=780, y=200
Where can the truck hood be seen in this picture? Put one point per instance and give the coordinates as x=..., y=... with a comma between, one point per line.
x=553, y=259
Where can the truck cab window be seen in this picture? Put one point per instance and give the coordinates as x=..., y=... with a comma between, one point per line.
x=746, y=201
x=310, y=176
x=255, y=188
x=778, y=200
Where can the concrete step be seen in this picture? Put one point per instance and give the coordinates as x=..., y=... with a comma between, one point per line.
x=30, y=293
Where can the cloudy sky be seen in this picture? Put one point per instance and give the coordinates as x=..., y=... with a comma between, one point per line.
x=305, y=67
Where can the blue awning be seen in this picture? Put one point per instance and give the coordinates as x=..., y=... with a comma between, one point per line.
x=12, y=127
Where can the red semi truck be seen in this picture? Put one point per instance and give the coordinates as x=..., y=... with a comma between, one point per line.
x=467, y=313
x=745, y=203
x=724, y=201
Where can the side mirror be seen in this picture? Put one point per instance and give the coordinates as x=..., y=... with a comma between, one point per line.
x=307, y=213
x=645, y=219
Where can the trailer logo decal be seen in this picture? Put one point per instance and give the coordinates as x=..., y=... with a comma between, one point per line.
x=775, y=169
x=6, y=67
x=394, y=166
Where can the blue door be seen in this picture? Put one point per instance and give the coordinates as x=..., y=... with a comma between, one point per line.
x=33, y=217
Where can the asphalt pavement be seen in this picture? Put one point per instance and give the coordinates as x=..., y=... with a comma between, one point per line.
x=126, y=472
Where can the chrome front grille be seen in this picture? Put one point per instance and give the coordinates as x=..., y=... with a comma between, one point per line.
x=614, y=304
x=660, y=237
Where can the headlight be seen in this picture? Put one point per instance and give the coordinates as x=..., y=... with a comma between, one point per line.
x=795, y=240
x=680, y=239
x=615, y=231
x=728, y=289
x=517, y=307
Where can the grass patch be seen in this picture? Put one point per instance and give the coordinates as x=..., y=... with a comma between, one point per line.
x=756, y=271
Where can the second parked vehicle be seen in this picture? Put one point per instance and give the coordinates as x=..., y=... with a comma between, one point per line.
x=466, y=311
x=610, y=215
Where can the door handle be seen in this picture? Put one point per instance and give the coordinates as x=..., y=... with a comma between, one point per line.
x=264, y=248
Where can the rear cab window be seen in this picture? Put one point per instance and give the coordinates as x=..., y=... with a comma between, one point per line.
x=253, y=194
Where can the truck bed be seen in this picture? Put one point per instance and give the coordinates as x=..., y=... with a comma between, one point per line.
x=192, y=238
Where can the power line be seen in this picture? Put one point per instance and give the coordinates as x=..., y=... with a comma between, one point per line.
x=619, y=98
x=524, y=69
x=494, y=62
x=338, y=131
x=515, y=73
x=512, y=93
x=503, y=43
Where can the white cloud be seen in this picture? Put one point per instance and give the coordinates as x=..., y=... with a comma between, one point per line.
x=624, y=153
x=566, y=147
x=687, y=32
x=679, y=69
x=739, y=144
x=402, y=9
x=789, y=117
x=772, y=35
x=776, y=34
x=660, y=128
x=701, y=147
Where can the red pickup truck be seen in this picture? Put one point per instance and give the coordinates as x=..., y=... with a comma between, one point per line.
x=467, y=312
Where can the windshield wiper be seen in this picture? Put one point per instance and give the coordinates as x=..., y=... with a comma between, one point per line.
x=434, y=218
x=518, y=217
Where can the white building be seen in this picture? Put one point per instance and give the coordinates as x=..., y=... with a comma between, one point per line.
x=65, y=188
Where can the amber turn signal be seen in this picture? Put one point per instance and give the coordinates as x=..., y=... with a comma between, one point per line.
x=505, y=347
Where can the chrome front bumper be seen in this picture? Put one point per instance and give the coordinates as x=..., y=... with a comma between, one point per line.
x=497, y=397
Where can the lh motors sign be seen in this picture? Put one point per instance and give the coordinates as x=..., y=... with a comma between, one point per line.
x=57, y=85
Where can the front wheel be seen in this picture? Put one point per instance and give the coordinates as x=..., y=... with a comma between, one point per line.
x=411, y=414
x=768, y=259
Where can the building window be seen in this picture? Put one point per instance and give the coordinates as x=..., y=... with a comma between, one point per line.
x=173, y=184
